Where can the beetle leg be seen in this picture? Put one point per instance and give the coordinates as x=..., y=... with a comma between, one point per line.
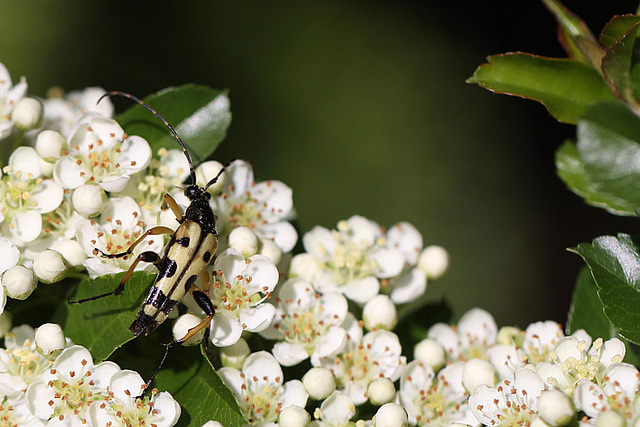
x=170, y=202
x=150, y=232
x=148, y=256
x=206, y=305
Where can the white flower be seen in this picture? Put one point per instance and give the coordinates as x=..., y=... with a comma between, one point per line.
x=379, y=313
x=574, y=359
x=306, y=323
x=260, y=388
x=18, y=282
x=428, y=351
x=8, y=260
x=183, y=324
x=377, y=355
x=121, y=408
x=556, y=408
x=119, y=225
x=434, y=261
x=381, y=391
x=510, y=403
x=164, y=175
x=14, y=412
x=9, y=96
x=335, y=411
x=351, y=259
x=293, y=416
x=431, y=400
x=61, y=114
x=618, y=392
x=265, y=207
x=475, y=333
x=25, y=195
x=478, y=372
x=238, y=292
x=234, y=355
x=99, y=152
x=66, y=391
x=50, y=266
x=20, y=362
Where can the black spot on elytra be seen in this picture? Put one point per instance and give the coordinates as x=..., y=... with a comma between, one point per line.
x=183, y=241
x=206, y=257
x=172, y=266
x=189, y=282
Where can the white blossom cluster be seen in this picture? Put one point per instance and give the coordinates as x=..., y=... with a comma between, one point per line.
x=46, y=380
x=75, y=182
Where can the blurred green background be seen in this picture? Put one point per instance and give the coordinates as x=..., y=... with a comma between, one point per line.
x=361, y=107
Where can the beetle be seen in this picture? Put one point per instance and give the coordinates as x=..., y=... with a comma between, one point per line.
x=190, y=249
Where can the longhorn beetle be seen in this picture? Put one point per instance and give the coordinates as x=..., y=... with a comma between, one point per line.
x=185, y=258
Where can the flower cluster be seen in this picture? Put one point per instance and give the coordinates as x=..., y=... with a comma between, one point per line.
x=75, y=187
x=47, y=380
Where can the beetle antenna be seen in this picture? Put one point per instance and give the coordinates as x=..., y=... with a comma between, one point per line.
x=166, y=123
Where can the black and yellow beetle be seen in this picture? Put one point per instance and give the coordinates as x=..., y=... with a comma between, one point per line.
x=191, y=248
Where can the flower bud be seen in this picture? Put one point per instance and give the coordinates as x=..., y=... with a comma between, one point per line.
x=50, y=339
x=510, y=335
x=19, y=282
x=381, y=391
x=269, y=249
x=293, y=416
x=556, y=408
x=537, y=422
x=431, y=353
x=233, y=356
x=319, y=383
x=72, y=252
x=611, y=418
x=28, y=113
x=89, y=200
x=206, y=171
x=49, y=266
x=49, y=144
x=183, y=324
x=212, y=424
x=391, y=415
x=5, y=323
x=379, y=313
x=478, y=372
x=434, y=261
x=243, y=240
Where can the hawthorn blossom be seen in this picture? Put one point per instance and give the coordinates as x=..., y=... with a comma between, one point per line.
x=14, y=412
x=238, y=292
x=260, y=388
x=351, y=259
x=99, y=152
x=64, y=393
x=574, y=358
x=61, y=112
x=335, y=411
x=306, y=323
x=121, y=406
x=10, y=95
x=376, y=355
x=265, y=207
x=435, y=400
x=119, y=225
x=510, y=403
x=20, y=362
x=475, y=333
x=25, y=195
x=618, y=393
x=11, y=256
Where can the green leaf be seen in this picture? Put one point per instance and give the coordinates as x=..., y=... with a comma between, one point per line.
x=103, y=325
x=605, y=166
x=571, y=170
x=199, y=114
x=564, y=86
x=618, y=65
x=578, y=41
x=615, y=265
x=201, y=394
x=616, y=28
x=586, y=310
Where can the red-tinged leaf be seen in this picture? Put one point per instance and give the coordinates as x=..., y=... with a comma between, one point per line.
x=617, y=67
x=564, y=86
x=617, y=27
